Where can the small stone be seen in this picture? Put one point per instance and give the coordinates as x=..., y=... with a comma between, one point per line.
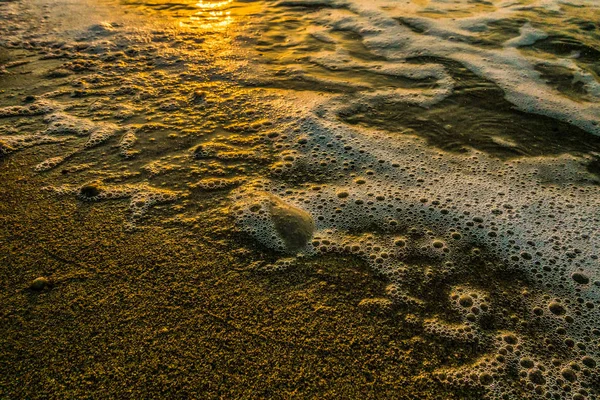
x=89, y=191
x=294, y=225
x=39, y=284
x=198, y=96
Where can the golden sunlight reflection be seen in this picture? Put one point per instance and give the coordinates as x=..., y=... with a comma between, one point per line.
x=213, y=15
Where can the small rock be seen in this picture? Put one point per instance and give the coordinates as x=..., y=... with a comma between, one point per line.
x=89, y=191
x=198, y=96
x=39, y=284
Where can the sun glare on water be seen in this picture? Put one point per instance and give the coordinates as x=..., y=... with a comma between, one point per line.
x=212, y=15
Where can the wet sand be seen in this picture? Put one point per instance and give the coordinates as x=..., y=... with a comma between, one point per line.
x=162, y=313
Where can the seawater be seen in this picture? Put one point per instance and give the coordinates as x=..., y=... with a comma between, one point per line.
x=451, y=146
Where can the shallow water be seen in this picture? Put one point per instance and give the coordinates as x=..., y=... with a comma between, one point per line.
x=450, y=146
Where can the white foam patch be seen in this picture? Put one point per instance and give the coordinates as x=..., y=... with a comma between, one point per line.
x=12, y=143
x=391, y=203
x=378, y=22
x=444, y=84
x=529, y=35
x=38, y=108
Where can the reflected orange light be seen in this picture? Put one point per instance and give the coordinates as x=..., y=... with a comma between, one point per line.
x=213, y=5
x=212, y=15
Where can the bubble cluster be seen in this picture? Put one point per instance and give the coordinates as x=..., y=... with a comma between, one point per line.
x=39, y=107
x=280, y=265
x=141, y=196
x=12, y=143
x=60, y=126
x=209, y=184
x=449, y=232
x=230, y=149
x=126, y=144
x=50, y=163
x=62, y=123
x=273, y=222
